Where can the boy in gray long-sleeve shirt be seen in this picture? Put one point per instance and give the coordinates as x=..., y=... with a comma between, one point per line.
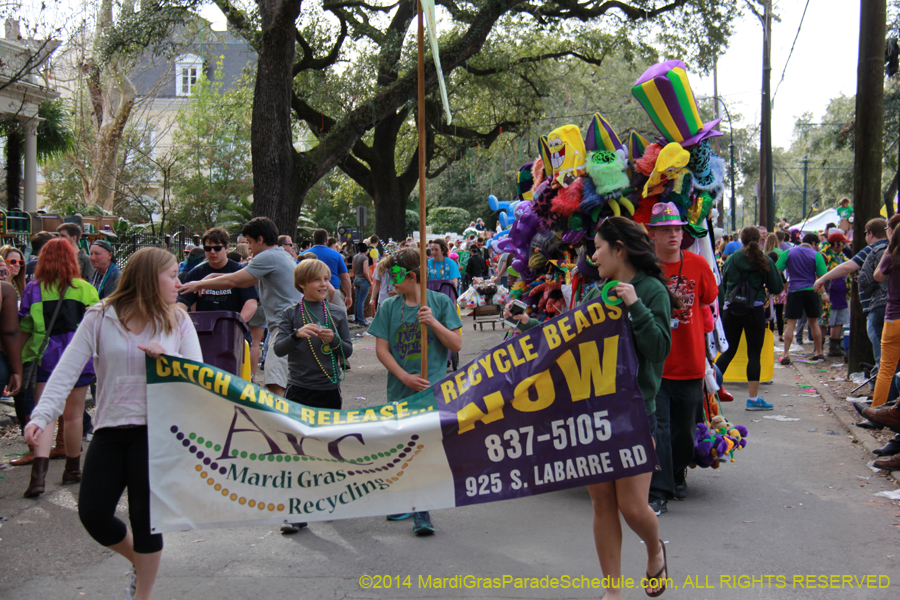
x=313, y=335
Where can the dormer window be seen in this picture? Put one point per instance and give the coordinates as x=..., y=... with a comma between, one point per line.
x=187, y=73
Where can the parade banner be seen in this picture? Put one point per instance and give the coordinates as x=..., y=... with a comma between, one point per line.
x=555, y=407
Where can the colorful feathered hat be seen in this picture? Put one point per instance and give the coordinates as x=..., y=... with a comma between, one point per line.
x=665, y=93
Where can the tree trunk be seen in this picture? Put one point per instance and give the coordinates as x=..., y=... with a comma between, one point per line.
x=390, y=213
x=389, y=190
x=282, y=176
x=869, y=150
x=280, y=181
x=105, y=153
x=14, y=143
x=112, y=97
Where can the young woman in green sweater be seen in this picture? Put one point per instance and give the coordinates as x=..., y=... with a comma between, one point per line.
x=624, y=253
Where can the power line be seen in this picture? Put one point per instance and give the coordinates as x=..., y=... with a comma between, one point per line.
x=791, y=52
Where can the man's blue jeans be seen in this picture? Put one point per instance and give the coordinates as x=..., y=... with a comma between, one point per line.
x=361, y=292
x=874, y=325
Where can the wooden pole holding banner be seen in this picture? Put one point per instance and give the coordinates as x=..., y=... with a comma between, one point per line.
x=423, y=259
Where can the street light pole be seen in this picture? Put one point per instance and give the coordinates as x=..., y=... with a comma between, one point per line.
x=733, y=201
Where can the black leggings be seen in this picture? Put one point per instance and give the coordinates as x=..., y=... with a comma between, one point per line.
x=753, y=325
x=779, y=318
x=116, y=459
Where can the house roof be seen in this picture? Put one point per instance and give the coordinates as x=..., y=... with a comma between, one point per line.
x=222, y=52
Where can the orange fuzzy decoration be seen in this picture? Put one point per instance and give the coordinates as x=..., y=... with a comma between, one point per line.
x=568, y=199
x=647, y=162
x=537, y=173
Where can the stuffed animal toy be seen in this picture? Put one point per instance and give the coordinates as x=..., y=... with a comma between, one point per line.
x=704, y=444
x=672, y=161
x=563, y=154
x=607, y=171
x=568, y=199
x=728, y=437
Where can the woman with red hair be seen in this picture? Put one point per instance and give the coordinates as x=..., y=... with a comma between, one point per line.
x=57, y=278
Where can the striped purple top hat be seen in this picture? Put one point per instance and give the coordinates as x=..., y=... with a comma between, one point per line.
x=636, y=145
x=600, y=135
x=665, y=213
x=665, y=93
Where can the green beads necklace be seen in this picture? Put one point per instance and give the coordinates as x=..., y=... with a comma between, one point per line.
x=307, y=317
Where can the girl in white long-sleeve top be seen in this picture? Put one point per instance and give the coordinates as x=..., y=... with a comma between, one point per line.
x=139, y=318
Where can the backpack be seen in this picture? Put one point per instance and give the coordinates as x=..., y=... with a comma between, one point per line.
x=742, y=298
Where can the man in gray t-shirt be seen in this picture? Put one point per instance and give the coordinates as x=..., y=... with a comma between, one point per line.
x=272, y=269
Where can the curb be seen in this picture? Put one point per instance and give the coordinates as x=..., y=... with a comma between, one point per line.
x=865, y=439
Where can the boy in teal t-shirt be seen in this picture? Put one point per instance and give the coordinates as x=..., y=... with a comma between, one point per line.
x=398, y=324
x=397, y=327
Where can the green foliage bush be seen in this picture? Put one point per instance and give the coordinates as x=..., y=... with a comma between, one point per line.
x=448, y=219
x=412, y=221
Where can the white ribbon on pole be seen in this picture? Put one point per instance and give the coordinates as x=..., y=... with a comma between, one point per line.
x=431, y=29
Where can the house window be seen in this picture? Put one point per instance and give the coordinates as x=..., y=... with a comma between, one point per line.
x=187, y=72
x=188, y=79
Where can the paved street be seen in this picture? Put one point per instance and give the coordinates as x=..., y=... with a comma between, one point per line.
x=799, y=501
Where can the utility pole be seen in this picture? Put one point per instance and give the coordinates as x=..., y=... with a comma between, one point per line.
x=805, y=166
x=766, y=206
x=869, y=144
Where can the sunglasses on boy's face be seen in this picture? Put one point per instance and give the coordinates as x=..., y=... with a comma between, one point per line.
x=212, y=248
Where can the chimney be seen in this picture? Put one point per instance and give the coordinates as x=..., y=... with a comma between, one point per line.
x=12, y=30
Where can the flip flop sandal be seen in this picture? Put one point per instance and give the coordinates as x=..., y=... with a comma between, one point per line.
x=785, y=361
x=665, y=568
x=817, y=357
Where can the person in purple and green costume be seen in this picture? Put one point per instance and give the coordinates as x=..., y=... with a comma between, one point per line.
x=836, y=309
x=802, y=264
x=57, y=279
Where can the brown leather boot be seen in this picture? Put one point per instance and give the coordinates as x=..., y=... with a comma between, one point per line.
x=38, y=475
x=890, y=463
x=59, y=450
x=72, y=473
x=25, y=459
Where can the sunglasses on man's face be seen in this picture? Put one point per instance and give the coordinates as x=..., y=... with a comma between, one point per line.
x=212, y=248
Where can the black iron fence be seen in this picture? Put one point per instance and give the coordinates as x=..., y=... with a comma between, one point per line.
x=124, y=247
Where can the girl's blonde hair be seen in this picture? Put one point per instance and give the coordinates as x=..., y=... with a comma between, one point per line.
x=771, y=243
x=137, y=294
x=382, y=266
x=244, y=250
x=308, y=270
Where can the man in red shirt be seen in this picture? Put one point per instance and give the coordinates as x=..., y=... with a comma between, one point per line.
x=679, y=403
